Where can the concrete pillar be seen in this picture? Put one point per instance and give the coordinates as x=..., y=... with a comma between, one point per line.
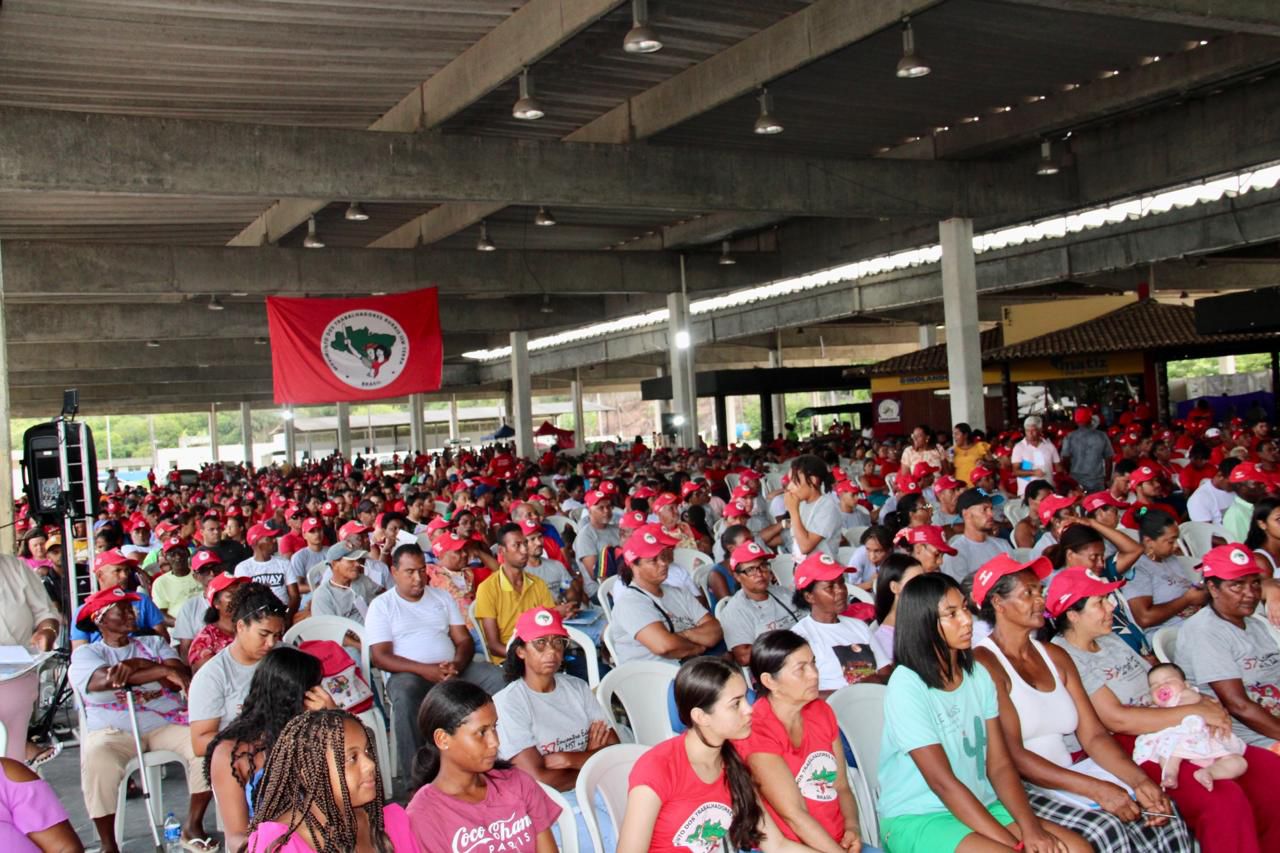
x=731, y=418
x=579, y=415
x=722, y=421
x=416, y=440
x=7, y=539
x=290, y=439
x=684, y=397
x=521, y=394
x=213, y=433
x=246, y=433
x=779, y=401
x=370, y=434
x=960, y=307
x=344, y=430
x=1227, y=365
x=453, y=417
x=928, y=335
x=660, y=406
x=151, y=433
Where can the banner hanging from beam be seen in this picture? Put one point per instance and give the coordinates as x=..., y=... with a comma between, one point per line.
x=349, y=350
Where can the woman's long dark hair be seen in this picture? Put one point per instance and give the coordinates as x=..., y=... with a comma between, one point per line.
x=1075, y=537
x=891, y=571
x=1153, y=522
x=699, y=684
x=917, y=640
x=253, y=602
x=296, y=780
x=1257, y=537
x=276, y=694
x=445, y=707
x=770, y=650
x=812, y=467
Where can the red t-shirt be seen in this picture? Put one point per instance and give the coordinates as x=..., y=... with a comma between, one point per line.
x=1192, y=475
x=695, y=816
x=812, y=763
x=290, y=543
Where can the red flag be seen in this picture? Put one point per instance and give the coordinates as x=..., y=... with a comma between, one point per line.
x=331, y=350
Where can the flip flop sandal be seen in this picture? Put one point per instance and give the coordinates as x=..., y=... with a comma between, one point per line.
x=200, y=845
x=48, y=754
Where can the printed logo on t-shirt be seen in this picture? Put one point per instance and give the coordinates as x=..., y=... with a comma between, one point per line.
x=576, y=742
x=706, y=829
x=857, y=661
x=817, y=777
x=509, y=834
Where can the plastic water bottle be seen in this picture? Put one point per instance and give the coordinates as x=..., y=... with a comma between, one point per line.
x=172, y=835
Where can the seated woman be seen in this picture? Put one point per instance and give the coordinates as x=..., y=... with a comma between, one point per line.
x=946, y=780
x=218, y=689
x=794, y=751
x=549, y=722
x=321, y=790
x=1028, y=529
x=1160, y=594
x=114, y=569
x=928, y=546
x=1239, y=815
x=844, y=649
x=1264, y=536
x=219, y=622
x=653, y=620
x=876, y=544
x=1043, y=704
x=102, y=672
x=283, y=686
x=693, y=792
x=721, y=581
x=1083, y=544
x=1228, y=655
x=894, y=574
x=31, y=818
x=465, y=792
x=759, y=606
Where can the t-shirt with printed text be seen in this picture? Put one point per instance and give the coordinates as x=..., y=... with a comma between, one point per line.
x=508, y=820
x=695, y=815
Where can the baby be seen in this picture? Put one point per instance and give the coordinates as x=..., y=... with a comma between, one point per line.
x=1217, y=757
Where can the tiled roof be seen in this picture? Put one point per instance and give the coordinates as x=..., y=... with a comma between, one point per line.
x=930, y=359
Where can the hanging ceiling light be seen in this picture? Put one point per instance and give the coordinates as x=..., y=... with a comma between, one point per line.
x=215, y=304
x=726, y=259
x=641, y=38
x=153, y=344
x=543, y=217
x=355, y=213
x=911, y=65
x=1048, y=166
x=546, y=304
x=484, y=244
x=527, y=107
x=311, y=241
x=766, y=124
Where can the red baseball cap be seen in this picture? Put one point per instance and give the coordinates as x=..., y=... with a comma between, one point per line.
x=736, y=509
x=529, y=527
x=928, y=534
x=437, y=523
x=1072, y=584
x=100, y=601
x=689, y=488
x=1083, y=415
x=609, y=487
x=748, y=552
x=642, y=492
x=447, y=542
x=1228, y=562
x=234, y=511
x=817, y=567
x=203, y=558
x=978, y=472
x=164, y=528
x=1142, y=474
x=1247, y=472
x=633, y=520
x=1004, y=564
x=847, y=486
x=946, y=483
x=219, y=583
x=172, y=544
x=906, y=485
x=750, y=475
x=1051, y=504
x=351, y=528
x=259, y=532
x=743, y=490
x=922, y=469
x=533, y=483
x=1097, y=500
x=646, y=543
x=328, y=508
x=311, y=524
x=664, y=500
x=594, y=497
x=292, y=512
x=113, y=557
x=540, y=622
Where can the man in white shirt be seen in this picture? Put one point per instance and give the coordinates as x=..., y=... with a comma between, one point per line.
x=267, y=568
x=417, y=635
x=1035, y=457
x=1213, y=496
x=978, y=543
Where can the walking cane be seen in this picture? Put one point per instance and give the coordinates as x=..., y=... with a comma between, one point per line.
x=142, y=768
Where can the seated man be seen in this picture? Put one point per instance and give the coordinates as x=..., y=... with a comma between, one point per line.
x=504, y=595
x=113, y=568
x=172, y=589
x=760, y=605
x=347, y=592
x=205, y=566
x=416, y=634
x=562, y=585
x=102, y=672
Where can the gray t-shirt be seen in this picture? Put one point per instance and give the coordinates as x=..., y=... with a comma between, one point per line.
x=1089, y=450
x=821, y=518
x=744, y=619
x=1115, y=666
x=1209, y=649
x=190, y=618
x=591, y=541
x=1046, y=541
x=971, y=555
x=1162, y=582
x=217, y=691
x=553, y=574
x=551, y=722
x=634, y=610
x=301, y=562
x=350, y=603
x=107, y=709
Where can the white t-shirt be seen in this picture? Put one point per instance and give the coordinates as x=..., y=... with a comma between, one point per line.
x=275, y=573
x=350, y=602
x=844, y=651
x=1208, y=502
x=190, y=618
x=106, y=708
x=1162, y=582
x=417, y=630
x=552, y=722
x=553, y=574
x=1042, y=456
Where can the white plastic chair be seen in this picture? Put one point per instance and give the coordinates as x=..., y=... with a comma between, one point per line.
x=1130, y=532
x=606, y=637
x=702, y=577
x=860, y=594
x=607, y=773
x=859, y=710
x=1015, y=511
x=1022, y=555
x=442, y=507
x=641, y=686
x=1188, y=565
x=605, y=594
x=582, y=641
x=866, y=805
x=4, y=740
x=731, y=480
x=853, y=535
x=844, y=554
x=560, y=522
x=720, y=607
x=784, y=570
x=567, y=823
x=1195, y=538
x=1164, y=643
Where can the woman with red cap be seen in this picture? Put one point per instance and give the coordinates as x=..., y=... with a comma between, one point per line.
x=844, y=650
x=1234, y=817
x=220, y=626
x=1047, y=717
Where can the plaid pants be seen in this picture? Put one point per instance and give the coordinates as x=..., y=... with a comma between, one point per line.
x=1108, y=833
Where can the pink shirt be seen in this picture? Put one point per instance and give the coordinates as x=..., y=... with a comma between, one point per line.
x=394, y=820
x=514, y=811
x=26, y=807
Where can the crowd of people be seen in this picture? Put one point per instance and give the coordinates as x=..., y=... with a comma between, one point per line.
x=1074, y=623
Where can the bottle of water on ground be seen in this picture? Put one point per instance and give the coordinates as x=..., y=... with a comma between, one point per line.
x=172, y=835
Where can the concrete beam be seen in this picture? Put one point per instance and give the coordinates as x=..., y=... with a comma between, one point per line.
x=1250, y=16
x=86, y=376
x=54, y=151
x=40, y=271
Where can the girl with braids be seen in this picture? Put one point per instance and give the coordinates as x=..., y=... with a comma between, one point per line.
x=321, y=792
x=693, y=793
x=468, y=799
x=813, y=518
x=286, y=684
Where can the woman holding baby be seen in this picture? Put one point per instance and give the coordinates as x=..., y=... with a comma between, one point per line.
x=1131, y=699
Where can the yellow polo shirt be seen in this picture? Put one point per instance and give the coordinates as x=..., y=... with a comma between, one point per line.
x=497, y=599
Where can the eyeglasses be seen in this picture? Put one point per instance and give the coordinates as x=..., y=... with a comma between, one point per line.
x=543, y=643
x=752, y=570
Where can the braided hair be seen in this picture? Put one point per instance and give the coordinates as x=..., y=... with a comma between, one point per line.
x=295, y=783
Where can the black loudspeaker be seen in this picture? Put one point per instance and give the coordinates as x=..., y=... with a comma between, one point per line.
x=42, y=471
x=1249, y=311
